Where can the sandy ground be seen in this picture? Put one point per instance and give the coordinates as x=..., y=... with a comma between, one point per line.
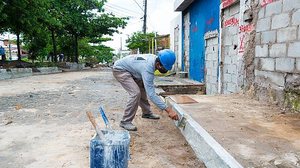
x=43, y=123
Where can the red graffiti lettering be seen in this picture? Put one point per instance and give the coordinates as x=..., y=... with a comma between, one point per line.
x=266, y=2
x=226, y=3
x=231, y=22
x=242, y=43
x=195, y=29
x=246, y=28
x=210, y=21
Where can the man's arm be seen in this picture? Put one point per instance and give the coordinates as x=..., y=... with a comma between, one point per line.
x=172, y=113
x=150, y=90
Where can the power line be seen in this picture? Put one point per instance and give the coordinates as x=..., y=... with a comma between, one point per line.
x=116, y=11
x=121, y=8
x=138, y=5
x=118, y=14
x=121, y=11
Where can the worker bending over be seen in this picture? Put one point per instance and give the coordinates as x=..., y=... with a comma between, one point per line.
x=136, y=75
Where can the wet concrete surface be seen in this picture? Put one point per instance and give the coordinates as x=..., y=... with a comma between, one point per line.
x=254, y=133
x=174, y=85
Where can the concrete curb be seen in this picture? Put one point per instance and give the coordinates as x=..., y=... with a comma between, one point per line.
x=15, y=73
x=47, y=70
x=206, y=148
x=25, y=72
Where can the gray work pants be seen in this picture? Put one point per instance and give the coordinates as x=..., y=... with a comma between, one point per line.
x=137, y=94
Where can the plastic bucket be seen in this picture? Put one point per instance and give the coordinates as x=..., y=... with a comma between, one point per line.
x=112, y=152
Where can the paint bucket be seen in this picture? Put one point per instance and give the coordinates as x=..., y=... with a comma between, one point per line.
x=113, y=152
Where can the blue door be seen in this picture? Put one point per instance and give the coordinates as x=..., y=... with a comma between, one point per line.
x=204, y=17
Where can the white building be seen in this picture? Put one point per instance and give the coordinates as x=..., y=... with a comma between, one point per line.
x=175, y=40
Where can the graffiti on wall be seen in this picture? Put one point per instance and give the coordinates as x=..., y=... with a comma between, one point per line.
x=231, y=22
x=227, y=3
x=266, y=2
x=246, y=28
x=244, y=32
x=241, y=48
x=194, y=28
x=210, y=21
x=209, y=24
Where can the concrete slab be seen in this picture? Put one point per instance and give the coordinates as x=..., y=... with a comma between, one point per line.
x=233, y=130
x=181, y=99
x=174, y=85
x=167, y=81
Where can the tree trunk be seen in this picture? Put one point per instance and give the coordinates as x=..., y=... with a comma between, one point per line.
x=3, y=58
x=18, y=45
x=54, y=56
x=76, y=49
x=69, y=57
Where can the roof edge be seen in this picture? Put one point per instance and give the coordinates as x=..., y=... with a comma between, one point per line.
x=181, y=5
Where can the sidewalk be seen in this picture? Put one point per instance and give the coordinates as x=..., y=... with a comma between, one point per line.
x=234, y=131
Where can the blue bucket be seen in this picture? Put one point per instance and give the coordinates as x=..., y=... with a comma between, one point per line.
x=112, y=152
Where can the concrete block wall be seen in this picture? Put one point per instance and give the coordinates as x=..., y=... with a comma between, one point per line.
x=232, y=70
x=211, y=64
x=277, y=52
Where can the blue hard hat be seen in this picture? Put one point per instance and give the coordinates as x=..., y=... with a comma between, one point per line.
x=167, y=58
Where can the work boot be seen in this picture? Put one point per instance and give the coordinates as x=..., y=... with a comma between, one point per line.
x=151, y=116
x=128, y=126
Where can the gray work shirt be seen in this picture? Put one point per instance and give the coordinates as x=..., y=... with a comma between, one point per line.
x=141, y=66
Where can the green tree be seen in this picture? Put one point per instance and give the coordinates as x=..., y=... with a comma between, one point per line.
x=95, y=53
x=69, y=26
x=86, y=19
x=53, y=21
x=85, y=49
x=37, y=44
x=140, y=41
x=3, y=15
x=22, y=17
x=65, y=42
x=104, y=53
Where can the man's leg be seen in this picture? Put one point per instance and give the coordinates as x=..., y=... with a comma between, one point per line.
x=132, y=88
x=144, y=103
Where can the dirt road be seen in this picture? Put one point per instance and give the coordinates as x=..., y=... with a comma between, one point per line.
x=43, y=123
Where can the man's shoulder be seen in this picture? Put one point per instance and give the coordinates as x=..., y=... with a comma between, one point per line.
x=149, y=55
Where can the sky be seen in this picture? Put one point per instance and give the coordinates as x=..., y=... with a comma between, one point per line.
x=160, y=13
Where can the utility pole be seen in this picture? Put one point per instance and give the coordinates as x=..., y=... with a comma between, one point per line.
x=145, y=17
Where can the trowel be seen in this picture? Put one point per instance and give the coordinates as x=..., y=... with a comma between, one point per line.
x=181, y=122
